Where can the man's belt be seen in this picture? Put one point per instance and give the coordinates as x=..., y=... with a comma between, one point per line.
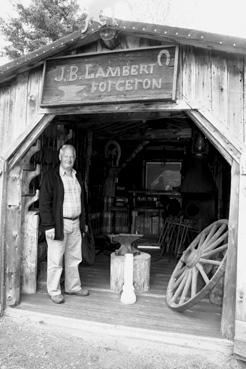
x=72, y=218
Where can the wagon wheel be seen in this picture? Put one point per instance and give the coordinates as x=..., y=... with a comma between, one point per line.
x=200, y=267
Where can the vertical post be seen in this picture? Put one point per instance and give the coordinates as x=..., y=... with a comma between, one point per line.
x=3, y=186
x=29, y=253
x=13, y=236
x=228, y=311
x=240, y=323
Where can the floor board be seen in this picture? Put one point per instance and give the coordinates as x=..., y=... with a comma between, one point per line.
x=149, y=312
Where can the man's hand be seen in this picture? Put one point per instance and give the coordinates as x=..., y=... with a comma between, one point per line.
x=86, y=228
x=50, y=233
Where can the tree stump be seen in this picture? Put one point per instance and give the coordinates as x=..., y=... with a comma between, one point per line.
x=141, y=272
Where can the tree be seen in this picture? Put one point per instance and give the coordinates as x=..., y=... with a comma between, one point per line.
x=38, y=24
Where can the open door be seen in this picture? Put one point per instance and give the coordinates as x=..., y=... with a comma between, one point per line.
x=3, y=180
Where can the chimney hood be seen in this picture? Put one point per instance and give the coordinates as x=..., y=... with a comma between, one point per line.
x=198, y=178
x=197, y=175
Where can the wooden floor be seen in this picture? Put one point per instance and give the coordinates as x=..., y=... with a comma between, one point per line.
x=98, y=276
x=149, y=312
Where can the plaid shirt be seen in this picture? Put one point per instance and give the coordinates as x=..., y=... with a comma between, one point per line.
x=72, y=194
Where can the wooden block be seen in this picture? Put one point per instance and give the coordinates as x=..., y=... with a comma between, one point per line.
x=141, y=272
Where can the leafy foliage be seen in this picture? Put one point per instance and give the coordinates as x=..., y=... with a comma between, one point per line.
x=38, y=24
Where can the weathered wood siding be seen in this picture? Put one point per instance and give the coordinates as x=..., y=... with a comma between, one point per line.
x=215, y=81
x=19, y=104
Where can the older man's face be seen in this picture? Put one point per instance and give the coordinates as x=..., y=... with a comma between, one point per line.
x=67, y=158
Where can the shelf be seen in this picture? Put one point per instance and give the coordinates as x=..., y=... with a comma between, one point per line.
x=155, y=193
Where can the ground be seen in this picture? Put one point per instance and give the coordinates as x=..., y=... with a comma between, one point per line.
x=25, y=344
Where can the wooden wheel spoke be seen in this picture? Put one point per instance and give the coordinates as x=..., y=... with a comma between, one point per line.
x=202, y=239
x=177, y=282
x=194, y=282
x=215, y=251
x=202, y=272
x=209, y=261
x=194, y=243
x=186, y=288
x=180, y=287
x=216, y=243
x=218, y=232
x=179, y=271
x=210, y=234
x=212, y=237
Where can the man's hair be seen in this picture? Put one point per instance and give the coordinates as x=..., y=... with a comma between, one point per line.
x=65, y=147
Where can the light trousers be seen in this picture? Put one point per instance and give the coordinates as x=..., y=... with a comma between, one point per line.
x=70, y=250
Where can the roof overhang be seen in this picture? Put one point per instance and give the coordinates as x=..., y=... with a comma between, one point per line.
x=90, y=32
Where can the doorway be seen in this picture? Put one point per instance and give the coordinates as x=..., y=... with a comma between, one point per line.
x=149, y=145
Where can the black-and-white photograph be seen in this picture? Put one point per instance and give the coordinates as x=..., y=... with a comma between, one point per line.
x=122, y=184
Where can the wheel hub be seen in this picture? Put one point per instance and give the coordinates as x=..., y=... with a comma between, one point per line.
x=192, y=258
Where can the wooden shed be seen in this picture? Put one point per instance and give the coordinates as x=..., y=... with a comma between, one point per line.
x=138, y=101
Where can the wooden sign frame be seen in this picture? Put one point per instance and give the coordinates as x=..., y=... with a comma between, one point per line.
x=143, y=74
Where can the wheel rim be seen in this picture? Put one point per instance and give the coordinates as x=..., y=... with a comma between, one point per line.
x=200, y=267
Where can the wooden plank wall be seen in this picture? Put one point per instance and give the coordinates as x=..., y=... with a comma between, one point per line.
x=19, y=104
x=215, y=81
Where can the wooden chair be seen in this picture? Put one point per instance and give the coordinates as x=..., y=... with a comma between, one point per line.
x=176, y=235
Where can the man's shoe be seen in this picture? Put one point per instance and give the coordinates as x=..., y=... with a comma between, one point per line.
x=57, y=299
x=82, y=292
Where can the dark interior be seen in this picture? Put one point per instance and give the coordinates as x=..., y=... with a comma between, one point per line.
x=141, y=169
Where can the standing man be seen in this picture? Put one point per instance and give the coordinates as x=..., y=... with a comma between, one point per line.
x=62, y=212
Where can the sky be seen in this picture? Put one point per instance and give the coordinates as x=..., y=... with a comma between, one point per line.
x=217, y=16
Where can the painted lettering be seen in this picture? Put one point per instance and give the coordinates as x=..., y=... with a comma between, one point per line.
x=119, y=86
x=88, y=74
x=102, y=86
x=61, y=77
x=155, y=83
x=129, y=84
x=113, y=72
x=100, y=73
x=134, y=69
x=125, y=70
x=146, y=84
x=73, y=73
x=110, y=85
x=143, y=69
x=151, y=67
x=137, y=81
x=122, y=85
x=167, y=55
x=94, y=86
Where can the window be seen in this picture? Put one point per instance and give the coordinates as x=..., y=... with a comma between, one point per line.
x=162, y=176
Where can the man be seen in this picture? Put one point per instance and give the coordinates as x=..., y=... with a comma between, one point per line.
x=62, y=204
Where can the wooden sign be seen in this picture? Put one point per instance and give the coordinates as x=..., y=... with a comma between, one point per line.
x=119, y=76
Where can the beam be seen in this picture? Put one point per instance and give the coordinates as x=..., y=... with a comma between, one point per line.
x=3, y=186
x=17, y=150
x=179, y=105
x=228, y=310
x=240, y=327
x=223, y=140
